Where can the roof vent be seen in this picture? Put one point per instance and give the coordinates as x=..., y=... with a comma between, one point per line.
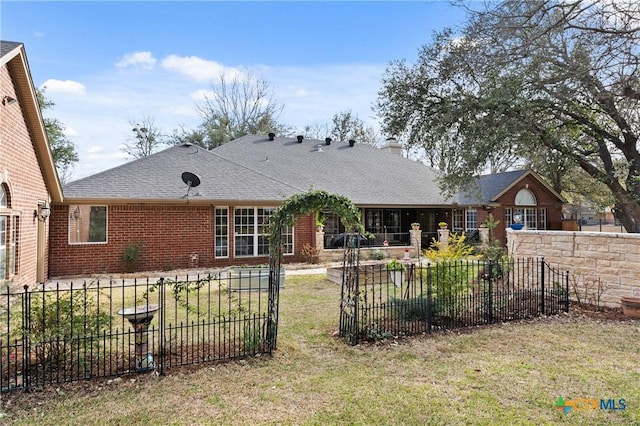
x=300, y=137
x=272, y=136
x=327, y=141
x=319, y=148
x=352, y=142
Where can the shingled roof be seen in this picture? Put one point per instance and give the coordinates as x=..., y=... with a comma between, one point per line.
x=258, y=170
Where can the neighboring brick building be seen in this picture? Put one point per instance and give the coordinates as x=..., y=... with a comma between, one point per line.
x=146, y=210
x=28, y=180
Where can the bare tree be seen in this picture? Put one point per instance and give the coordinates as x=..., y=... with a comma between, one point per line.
x=237, y=107
x=146, y=139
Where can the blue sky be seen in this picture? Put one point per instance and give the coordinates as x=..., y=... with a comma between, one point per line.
x=105, y=64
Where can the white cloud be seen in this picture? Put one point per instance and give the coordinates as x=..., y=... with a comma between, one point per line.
x=68, y=131
x=141, y=60
x=68, y=87
x=196, y=68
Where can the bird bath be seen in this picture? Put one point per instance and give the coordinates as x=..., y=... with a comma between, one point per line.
x=140, y=317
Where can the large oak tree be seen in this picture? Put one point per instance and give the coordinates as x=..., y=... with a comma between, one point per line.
x=525, y=80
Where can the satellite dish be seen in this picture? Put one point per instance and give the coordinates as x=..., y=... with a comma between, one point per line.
x=191, y=180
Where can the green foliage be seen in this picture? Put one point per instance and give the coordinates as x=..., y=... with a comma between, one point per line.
x=251, y=335
x=61, y=324
x=543, y=93
x=377, y=255
x=455, y=249
x=411, y=309
x=309, y=203
x=63, y=149
x=130, y=256
x=395, y=265
x=180, y=290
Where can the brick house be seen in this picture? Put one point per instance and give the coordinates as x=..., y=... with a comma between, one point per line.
x=190, y=207
x=28, y=178
x=516, y=196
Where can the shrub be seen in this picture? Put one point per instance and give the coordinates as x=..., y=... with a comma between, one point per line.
x=456, y=249
x=62, y=324
x=311, y=254
x=130, y=257
x=377, y=255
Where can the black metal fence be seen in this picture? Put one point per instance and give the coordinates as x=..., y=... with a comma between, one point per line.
x=422, y=298
x=78, y=331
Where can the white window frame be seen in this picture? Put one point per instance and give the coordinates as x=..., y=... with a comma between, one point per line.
x=257, y=225
x=471, y=219
x=223, y=214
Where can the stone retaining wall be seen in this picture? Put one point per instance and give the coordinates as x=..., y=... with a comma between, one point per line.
x=602, y=265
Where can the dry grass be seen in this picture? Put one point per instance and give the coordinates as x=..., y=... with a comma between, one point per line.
x=504, y=374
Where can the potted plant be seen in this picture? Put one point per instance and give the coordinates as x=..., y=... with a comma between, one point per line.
x=443, y=225
x=415, y=226
x=320, y=221
x=396, y=271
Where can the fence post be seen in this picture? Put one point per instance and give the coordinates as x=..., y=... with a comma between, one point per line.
x=566, y=291
x=161, y=325
x=26, y=328
x=490, y=293
x=429, y=298
x=542, y=285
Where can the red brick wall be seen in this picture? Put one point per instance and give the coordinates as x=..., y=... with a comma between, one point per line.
x=166, y=235
x=20, y=172
x=544, y=198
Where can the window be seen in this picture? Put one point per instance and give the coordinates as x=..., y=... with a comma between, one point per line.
x=527, y=217
x=3, y=247
x=458, y=220
x=251, y=229
x=87, y=224
x=543, y=218
x=222, y=232
x=13, y=246
x=472, y=219
x=3, y=197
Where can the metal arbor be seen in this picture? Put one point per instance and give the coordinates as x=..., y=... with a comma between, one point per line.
x=293, y=207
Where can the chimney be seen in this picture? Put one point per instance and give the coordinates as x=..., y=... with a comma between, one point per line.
x=327, y=141
x=300, y=137
x=272, y=136
x=392, y=147
x=352, y=142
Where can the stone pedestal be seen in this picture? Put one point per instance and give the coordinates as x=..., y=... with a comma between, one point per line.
x=415, y=240
x=443, y=237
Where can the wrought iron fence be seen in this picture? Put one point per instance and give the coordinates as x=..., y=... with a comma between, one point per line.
x=78, y=331
x=424, y=298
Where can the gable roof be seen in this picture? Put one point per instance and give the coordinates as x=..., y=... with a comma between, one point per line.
x=255, y=169
x=13, y=56
x=489, y=188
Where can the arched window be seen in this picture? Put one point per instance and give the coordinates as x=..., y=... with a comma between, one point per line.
x=4, y=197
x=526, y=211
x=524, y=197
x=4, y=232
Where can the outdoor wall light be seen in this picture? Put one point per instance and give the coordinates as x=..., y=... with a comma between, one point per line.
x=8, y=100
x=42, y=213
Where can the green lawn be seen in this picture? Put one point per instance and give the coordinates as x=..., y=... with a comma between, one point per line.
x=504, y=374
